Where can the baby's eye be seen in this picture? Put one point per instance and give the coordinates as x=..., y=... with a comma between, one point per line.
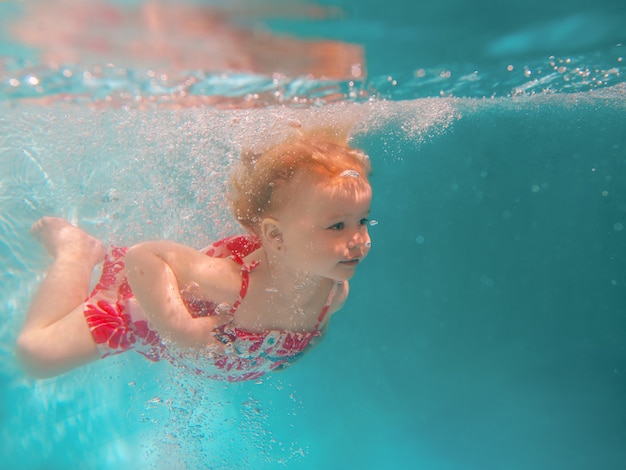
x=337, y=226
x=364, y=221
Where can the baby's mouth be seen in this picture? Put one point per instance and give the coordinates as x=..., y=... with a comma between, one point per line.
x=351, y=262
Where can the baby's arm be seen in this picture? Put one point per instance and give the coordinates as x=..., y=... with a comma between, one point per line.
x=156, y=272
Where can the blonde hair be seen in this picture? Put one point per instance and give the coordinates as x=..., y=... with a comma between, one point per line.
x=322, y=154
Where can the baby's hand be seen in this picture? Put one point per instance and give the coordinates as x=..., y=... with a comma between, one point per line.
x=215, y=325
x=220, y=320
x=218, y=338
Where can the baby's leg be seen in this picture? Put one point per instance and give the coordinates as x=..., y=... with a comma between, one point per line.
x=55, y=337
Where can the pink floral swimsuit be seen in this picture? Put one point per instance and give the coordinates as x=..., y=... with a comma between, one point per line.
x=117, y=322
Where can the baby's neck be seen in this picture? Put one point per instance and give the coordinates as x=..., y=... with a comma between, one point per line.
x=293, y=286
x=300, y=286
x=277, y=295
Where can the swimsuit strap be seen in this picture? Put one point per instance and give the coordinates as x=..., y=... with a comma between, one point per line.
x=329, y=301
x=237, y=248
x=246, y=269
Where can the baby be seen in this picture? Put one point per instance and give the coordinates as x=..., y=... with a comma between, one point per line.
x=247, y=304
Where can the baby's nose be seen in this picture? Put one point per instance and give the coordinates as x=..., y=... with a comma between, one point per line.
x=360, y=239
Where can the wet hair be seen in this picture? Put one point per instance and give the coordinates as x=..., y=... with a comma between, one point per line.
x=262, y=177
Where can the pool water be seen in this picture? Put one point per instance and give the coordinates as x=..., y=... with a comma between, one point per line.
x=486, y=329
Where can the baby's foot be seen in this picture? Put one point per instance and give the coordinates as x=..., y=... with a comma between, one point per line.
x=60, y=238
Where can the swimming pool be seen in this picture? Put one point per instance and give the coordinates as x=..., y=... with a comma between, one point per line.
x=499, y=160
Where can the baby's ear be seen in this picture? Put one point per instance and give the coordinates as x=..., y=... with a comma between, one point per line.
x=271, y=234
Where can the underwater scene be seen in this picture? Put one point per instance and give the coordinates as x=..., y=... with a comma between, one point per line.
x=487, y=327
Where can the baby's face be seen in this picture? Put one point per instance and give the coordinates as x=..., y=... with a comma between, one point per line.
x=325, y=227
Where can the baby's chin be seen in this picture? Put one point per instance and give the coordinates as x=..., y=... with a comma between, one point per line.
x=345, y=274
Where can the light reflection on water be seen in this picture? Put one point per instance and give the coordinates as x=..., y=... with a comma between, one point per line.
x=184, y=54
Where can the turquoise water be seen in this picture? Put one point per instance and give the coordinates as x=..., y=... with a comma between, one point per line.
x=487, y=328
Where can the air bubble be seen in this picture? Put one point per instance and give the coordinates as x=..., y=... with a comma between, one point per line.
x=373, y=222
